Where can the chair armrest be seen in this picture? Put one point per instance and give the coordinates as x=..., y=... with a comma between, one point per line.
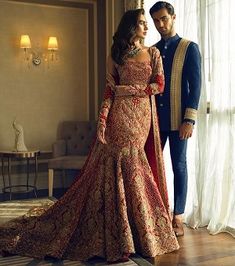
x=59, y=148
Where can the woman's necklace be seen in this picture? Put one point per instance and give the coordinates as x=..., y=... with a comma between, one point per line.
x=133, y=52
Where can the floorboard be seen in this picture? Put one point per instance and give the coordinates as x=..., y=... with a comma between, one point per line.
x=199, y=248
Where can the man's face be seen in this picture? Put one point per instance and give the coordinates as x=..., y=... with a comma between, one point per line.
x=164, y=23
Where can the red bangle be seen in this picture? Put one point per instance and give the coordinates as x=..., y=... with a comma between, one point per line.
x=148, y=90
x=103, y=116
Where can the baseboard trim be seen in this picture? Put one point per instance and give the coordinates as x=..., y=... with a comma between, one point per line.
x=41, y=193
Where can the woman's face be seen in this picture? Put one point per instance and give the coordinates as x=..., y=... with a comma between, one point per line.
x=142, y=28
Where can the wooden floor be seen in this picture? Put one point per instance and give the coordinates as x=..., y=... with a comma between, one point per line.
x=199, y=248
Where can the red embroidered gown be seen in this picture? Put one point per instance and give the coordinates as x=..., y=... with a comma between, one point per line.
x=118, y=204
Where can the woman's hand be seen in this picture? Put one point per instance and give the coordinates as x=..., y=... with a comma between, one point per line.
x=140, y=90
x=101, y=134
x=126, y=90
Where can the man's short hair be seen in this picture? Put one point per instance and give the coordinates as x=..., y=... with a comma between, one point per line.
x=162, y=4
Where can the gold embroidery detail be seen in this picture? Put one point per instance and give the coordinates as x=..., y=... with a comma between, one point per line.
x=158, y=153
x=176, y=79
x=190, y=113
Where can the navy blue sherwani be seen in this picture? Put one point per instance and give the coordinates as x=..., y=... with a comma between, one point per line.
x=189, y=81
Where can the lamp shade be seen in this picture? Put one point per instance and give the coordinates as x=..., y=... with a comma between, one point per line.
x=52, y=43
x=25, y=41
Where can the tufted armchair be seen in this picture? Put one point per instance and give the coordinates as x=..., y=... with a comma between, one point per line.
x=71, y=148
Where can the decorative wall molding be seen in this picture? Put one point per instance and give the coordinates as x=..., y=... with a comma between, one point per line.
x=133, y=4
x=91, y=8
x=110, y=24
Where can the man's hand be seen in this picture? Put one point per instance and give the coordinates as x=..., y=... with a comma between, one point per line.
x=186, y=130
x=101, y=134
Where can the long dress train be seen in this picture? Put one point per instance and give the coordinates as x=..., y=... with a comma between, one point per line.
x=118, y=204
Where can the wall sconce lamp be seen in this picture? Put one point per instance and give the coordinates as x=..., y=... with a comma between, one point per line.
x=36, y=56
x=52, y=46
x=25, y=44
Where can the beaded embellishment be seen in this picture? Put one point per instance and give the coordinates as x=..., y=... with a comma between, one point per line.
x=134, y=52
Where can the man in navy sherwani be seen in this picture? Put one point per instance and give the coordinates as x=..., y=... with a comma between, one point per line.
x=177, y=106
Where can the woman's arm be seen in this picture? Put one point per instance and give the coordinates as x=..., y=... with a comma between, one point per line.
x=107, y=100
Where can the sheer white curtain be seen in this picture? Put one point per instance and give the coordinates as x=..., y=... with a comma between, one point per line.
x=214, y=201
x=211, y=151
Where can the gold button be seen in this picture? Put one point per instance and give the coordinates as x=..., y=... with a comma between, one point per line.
x=161, y=94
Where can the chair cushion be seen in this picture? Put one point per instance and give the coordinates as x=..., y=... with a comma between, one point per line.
x=79, y=135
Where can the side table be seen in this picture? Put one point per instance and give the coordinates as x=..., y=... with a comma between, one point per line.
x=7, y=157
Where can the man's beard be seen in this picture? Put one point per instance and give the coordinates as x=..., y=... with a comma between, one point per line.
x=167, y=34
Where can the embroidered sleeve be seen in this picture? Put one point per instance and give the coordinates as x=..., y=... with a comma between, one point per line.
x=193, y=72
x=157, y=80
x=107, y=100
x=190, y=115
x=111, y=79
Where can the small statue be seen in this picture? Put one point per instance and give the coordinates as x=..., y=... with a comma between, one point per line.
x=19, y=137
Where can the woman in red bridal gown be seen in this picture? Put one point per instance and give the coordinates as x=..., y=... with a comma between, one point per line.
x=118, y=205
